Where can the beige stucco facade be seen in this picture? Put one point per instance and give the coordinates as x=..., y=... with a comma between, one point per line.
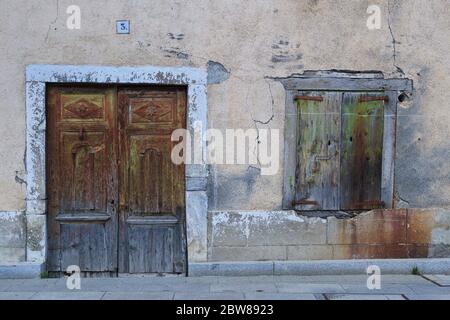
x=255, y=42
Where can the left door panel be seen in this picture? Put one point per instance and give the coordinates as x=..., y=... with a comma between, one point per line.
x=82, y=178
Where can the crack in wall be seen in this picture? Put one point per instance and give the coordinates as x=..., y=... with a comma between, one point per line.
x=19, y=179
x=399, y=198
x=394, y=41
x=52, y=22
x=256, y=121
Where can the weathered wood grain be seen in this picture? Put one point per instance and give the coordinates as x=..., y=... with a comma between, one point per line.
x=317, y=176
x=361, y=151
x=82, y=178
x=152, y=187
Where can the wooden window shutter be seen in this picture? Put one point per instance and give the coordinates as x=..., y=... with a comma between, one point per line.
x=318, y=144
x=362, y=124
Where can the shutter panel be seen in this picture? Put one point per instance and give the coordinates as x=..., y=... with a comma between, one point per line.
x=361, y=150
x=317, y=172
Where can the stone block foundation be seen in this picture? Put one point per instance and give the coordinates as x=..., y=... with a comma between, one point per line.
x=287, y=235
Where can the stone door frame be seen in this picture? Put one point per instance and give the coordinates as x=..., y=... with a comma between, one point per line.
x=37, y=76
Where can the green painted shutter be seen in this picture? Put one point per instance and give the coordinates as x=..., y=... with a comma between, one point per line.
x=361, y=150
x=317, y=172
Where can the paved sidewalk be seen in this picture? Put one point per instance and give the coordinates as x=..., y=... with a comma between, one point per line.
x=393, y=287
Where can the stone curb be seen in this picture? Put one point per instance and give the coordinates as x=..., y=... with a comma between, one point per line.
x=24, y=270
x=323, y=267
x=302, y=268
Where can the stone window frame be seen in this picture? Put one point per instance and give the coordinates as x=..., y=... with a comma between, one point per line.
x=343, y=81
x=37, y=77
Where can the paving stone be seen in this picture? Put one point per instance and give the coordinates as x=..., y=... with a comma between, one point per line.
x=385, y=289
x=440, y=279
x=8, y=283
x=428, y=297
x=279, y=296
x=209, y=280
x=117, y=284
x=138, y=295
x=402, y=279
x=232, y=268
x=69, y=295
x=309, y=288
x=363, y=297
x=429, y=289
x=16, y=295
x=224, y=288
x=33, y=285
x=244, y=287
x=209, y=296
x=182, y=287
x=355, y=279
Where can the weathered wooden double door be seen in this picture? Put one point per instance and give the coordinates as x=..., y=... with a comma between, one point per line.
x=115, y=199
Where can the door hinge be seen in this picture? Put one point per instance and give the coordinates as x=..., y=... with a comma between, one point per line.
x=308, y=98
x=305, y=202
x=373, y=98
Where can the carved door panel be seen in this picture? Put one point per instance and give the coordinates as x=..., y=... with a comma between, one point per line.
x=152, y=204
x=82, y=179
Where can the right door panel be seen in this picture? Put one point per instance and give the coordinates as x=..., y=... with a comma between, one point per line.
x=362, y=122
x=152, y=204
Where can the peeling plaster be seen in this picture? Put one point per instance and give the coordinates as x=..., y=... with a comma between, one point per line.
x=107, y=74
x=217, y=73
x=258, y=218
x=263, y=122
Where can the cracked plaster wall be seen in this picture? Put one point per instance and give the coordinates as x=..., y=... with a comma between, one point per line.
x=252, y=41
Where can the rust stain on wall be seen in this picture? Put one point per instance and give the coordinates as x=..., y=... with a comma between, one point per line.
x=383, y=234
